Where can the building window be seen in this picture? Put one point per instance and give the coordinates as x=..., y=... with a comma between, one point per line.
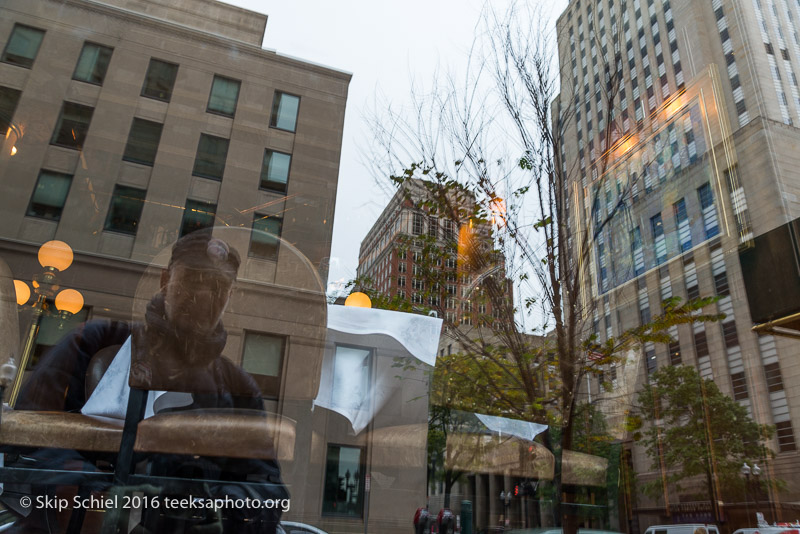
x=433, y=227
x=417, y=224
x=785, y=435
x=284, y=111
x=706, y=197
x=343, y=492
x=159, y=80
x=22, y=46
x=682, y=222
x=729, y=334
x=211, y=155
x=265, y=238
x=224, y=95
x=9, y=98
x=659, y=240
x=263, y=359
x=772, y=372
x=126, y=209
x=197, y=215
x=448, y=230
x=275, y=170
x=701, y=344
x=674, y=353
x=650, y=361
x=49, y=195
x=739, y=384
x=93, y=63
x=72, y=125
x=143, y=142
x=721, y=284
x=401, y=281
x=401, y=267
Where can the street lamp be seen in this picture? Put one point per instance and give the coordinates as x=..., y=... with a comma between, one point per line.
x=505, y=498
x=54, y=257
x=746, y=473
x=756, y=472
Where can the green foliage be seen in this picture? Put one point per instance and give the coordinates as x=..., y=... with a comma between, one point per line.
x=677, y=412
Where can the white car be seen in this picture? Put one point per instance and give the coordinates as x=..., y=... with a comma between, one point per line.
x=688, y=528
x=292, y=527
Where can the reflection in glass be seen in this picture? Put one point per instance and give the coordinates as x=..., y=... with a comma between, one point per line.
x=211, y=155
x=224, y=94
x=263, y=359
x=23, y=45
x=284, y=111
x=197, y=215
x=72, y=125
x=126, y=209
x=275, y=171
x=9, y=98
x=143, y=142
x=343, y=482
x=265, y=245
x=93, y=63
x=160, y=80
x=49, y=195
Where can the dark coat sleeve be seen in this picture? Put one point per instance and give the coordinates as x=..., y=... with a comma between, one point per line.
x=58, y=381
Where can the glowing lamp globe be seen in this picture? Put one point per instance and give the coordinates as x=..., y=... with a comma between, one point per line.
x=358, y=300
x=70, y=301
x=55, y=254
x=23, y=292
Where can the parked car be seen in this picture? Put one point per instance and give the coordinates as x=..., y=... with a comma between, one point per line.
x=687, y=528
x=769, y=530
x=293, y=527
x=557, y=530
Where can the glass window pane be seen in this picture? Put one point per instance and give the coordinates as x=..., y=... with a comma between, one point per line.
x=197, y=215
x=211, y=154
x=143, y=142
x=224, y=94
x=49, y=195
x=275, y=171
x=284, y=111
x=93, y=63
x=160, y=80
x=72, y=125
x=350, y=377
x=263, y=354
x=343, y=481
x=126, y=209
x=9, y=98
x=23, y=45
x=265, y=245
x=263, y=359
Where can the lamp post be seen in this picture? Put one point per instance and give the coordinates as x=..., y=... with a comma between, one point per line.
x=746, y=472
x=756, y=472
x=505, y=498
x=54, y=257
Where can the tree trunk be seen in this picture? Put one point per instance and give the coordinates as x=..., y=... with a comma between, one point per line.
x=569, y=518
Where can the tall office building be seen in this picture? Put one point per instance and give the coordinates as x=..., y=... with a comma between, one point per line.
x=693, y=160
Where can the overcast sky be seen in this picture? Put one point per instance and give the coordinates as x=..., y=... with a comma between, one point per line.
x=384, y=44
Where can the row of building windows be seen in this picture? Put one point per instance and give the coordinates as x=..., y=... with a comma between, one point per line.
x=125, y=211
x=144, y=138
x=92, y=66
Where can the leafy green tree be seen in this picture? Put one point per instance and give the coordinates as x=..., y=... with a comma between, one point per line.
x=691, y=429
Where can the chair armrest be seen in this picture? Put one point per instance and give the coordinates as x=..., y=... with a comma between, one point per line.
x=218, y=433
x=62, y=430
